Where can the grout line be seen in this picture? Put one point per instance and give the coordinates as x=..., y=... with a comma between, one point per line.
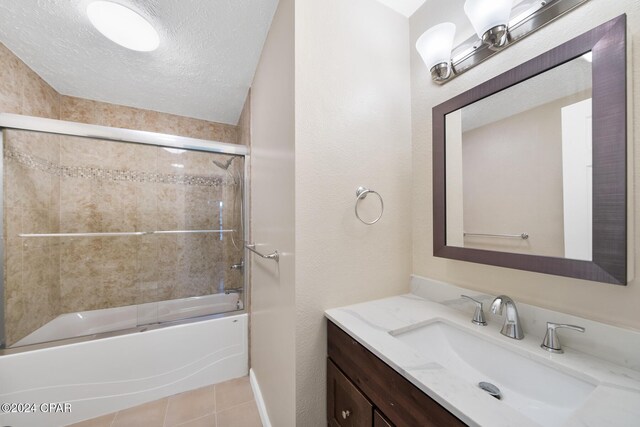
x=194, y=419
x=166, y=410
x=235, y=406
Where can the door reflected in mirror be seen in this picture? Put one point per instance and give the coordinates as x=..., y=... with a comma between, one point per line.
x=519, y=167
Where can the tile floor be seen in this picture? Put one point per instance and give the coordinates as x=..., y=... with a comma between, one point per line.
x=228, y=404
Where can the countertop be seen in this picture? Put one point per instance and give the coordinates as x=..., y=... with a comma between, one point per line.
x=615, y=402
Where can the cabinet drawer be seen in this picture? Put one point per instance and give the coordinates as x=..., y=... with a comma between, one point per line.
x=402, y=403
x=379, y=420
x=346, y=406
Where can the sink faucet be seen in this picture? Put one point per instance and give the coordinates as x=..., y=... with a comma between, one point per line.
x=551, y=342
x=511, y=327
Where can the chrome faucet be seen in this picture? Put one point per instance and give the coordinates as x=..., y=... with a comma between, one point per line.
x=511, y=327
x=551, y=341
x=478, y=316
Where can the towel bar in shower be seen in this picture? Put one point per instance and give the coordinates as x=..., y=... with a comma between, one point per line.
x=523, y=236
x=274, y=256
x=125, y=233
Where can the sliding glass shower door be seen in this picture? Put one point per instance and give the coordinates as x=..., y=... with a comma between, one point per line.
x=102, y=236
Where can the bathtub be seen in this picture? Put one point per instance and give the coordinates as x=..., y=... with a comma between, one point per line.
x=84, y=323
x=102, y=376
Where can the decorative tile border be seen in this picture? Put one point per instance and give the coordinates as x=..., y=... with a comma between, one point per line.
x=114, y=175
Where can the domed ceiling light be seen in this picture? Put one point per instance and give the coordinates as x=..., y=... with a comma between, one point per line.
x=123, y=26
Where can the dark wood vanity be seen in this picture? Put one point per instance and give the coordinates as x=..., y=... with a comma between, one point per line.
x=362, y=390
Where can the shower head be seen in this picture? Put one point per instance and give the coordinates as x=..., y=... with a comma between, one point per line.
x=224, y=166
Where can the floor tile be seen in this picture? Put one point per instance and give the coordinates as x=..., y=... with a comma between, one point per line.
x=190, y=405
x=104, y=421
x=206, y=421
x=244, y=415
x=148, y=415
x=233, y=393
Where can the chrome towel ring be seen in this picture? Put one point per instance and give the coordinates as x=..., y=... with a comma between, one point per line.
x=362, y=193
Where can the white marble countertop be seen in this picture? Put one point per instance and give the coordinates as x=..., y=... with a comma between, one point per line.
x=615, y=402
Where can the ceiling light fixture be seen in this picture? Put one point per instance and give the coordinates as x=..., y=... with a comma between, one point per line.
x=495, y=31
x=123, y=26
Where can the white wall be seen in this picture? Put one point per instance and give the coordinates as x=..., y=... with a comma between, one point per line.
x=272, y=333
x=352, y=128
x=606, y=303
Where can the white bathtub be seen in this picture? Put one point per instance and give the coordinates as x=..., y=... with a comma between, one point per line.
x=106, y=375
x=84, y=323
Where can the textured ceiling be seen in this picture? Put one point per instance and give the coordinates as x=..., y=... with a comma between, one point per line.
x=203, y=68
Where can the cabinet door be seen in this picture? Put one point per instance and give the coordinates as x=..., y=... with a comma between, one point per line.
x=379, y=420
x=346, y=406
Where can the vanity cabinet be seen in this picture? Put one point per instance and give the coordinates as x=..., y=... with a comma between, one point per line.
x=362, y=390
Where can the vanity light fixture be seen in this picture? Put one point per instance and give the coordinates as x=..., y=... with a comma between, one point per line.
x=434, y=47
x=490, y=19
x=495, y=29
x=123, y=26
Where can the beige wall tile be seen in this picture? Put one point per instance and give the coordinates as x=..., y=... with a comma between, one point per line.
x=84, y=152
x=79, y=295
x=10, y=82
x=244, y=123
x=12, y=224
x=80, y=110
x=22, y=91
x=38, y=98
x=119, y=116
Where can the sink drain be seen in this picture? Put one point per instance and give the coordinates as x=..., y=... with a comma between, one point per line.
x=491, y=389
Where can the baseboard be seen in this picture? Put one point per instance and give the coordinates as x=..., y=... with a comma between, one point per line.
x=262, y=409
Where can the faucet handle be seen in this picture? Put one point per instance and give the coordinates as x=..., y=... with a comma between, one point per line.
x=478, y=316
x=551, y=341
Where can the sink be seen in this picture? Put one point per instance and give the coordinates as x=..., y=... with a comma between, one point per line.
x=537, y=391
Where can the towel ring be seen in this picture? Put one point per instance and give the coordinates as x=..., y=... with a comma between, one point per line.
x=361, y=194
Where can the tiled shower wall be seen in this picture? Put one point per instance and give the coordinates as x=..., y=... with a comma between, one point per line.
x=48, y=277
x=60, y=184
x=32, y=269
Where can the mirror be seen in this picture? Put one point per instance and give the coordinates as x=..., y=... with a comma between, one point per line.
x=519, y=178
x=530, y=167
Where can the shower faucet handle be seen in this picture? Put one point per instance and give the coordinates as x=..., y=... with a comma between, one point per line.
x=478, y=316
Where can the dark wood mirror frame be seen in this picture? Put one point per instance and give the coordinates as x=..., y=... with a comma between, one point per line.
x=609, y=101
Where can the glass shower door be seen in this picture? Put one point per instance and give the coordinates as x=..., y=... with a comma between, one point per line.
x=102, y=236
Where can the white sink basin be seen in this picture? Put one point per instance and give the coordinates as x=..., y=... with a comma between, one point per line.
x=539, y=392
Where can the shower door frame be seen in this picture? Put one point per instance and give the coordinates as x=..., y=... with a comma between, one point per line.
x=89, y=131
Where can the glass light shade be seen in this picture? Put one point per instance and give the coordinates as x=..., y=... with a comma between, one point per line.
x=486, y=14
x=436, y=43
x=123, y=26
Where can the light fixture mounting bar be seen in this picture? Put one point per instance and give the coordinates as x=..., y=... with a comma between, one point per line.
x=472, y=51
